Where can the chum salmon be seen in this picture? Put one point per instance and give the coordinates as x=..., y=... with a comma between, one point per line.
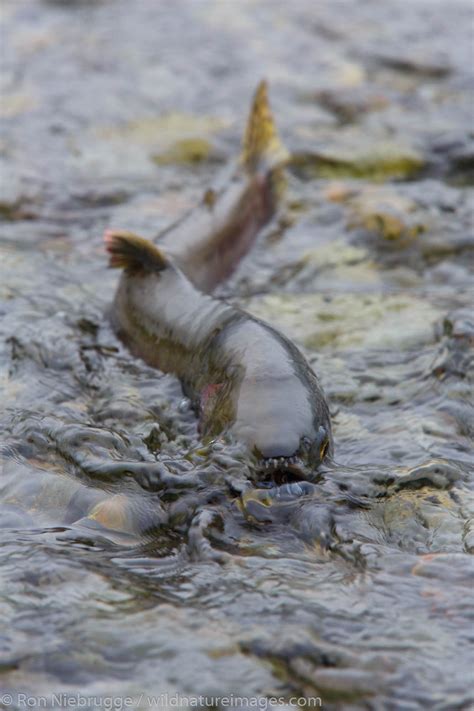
x=246, y=381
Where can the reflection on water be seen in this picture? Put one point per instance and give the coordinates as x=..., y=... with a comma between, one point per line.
x=134, y=558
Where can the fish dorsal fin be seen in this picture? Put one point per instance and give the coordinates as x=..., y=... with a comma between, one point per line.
x=133, y=253
x=262, y=147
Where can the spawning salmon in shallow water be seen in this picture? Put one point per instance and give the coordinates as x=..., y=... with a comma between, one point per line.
x=245, y=379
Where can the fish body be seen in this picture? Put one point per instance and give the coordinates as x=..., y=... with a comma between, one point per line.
x=245, y=379
x=208, y=242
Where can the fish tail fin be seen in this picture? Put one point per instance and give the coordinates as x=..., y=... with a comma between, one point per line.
x=133, y=253
x=262, y=147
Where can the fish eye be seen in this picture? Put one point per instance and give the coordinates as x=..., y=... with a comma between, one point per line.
x=323, y=449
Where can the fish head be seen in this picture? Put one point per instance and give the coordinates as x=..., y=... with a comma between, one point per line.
x=285, y=427
x=292, y=455
x=269, y=402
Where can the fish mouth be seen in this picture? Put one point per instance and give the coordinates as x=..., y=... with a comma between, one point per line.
x=284, y=469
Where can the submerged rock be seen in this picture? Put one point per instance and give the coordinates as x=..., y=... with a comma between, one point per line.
x=421, y=64
x=186, y=151
x=422, y=520
x=16, y=104
x=455, y=357
x=129, y=149
x=359, y=321
x=384, y=212
x=350, y=104
x=336, y=262
x=357, y=155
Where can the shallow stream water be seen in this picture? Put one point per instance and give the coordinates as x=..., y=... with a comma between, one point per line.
x=356, y=589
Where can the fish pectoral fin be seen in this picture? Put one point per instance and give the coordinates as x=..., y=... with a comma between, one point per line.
x=129, y=251
x=262, y=147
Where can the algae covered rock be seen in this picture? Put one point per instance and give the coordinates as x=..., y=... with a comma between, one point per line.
x=350, y=321
x=388, y=214
x=358, y=155
x=188, y=151
x=131, y=148
x=329, y=263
